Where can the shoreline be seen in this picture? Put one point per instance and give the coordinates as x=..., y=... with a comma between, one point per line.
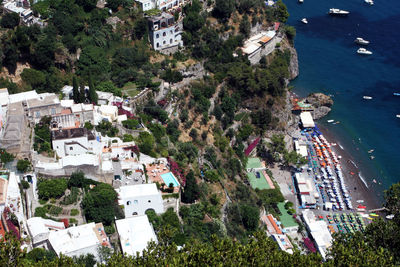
x=356, y=186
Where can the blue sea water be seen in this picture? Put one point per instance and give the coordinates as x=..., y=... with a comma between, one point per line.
x=329, y=63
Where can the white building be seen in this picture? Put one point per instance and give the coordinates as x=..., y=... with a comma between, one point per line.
x=39, y=230
x=74, y=141
x=283, y=243
x=135, y=233
x=136, y=199
x=46, y=104
x=108, y=112
x=79, y=240
x=23, y=10
x=301, y=148
x=307, y=190
x=164, y=32
x=307, y=120
x=164, y=5
x=319, y=232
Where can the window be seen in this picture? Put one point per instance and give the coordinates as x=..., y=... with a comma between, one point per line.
x=149, y=201
x=164, y=34
x=164, y=42
x=170, y=41
x=157, y=35
x=71, y=148
x=158, y=45
x=135, y=202
x=37, y=114
x=53, y=111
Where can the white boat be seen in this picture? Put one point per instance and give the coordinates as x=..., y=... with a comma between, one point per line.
x=370, y=151
x=360, y=201
x=361, y=41
x=330, y=121
x=301, y=1
x=370, y=2
x=398, y=116
x=304, y=20
x=338, y=12
x=367, y=97
x=364, y=51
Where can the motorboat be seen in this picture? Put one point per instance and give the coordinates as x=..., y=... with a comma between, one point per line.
x=301, y=1
x=398, y=116
x=396, y=94
x=370, y=2
x=361, y=41
x=367, y=97
x=364, y=51
x=338, y=12
x=330, y=121
x=304, y=20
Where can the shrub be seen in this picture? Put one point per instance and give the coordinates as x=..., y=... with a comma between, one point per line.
x=54, y=188
x=74, y=212
x=73, y=221
x=25, y=184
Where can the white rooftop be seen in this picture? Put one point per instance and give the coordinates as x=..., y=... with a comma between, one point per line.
x=38, y=226
x=135, y=233
x=73, y=239
x=24, y=96
x=137, y=190
x=3, y=97
x=108, y=109
x=67, y=103
x=307, y=120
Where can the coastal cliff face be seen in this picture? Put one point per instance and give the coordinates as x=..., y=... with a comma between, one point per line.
x=294, y=63
x=322, y=104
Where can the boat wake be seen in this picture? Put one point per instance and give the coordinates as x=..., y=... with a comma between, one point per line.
x=352, y=162
x=362, y=179
x=341, y=147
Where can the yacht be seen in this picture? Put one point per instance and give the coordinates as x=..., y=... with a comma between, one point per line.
x=398, y=116
x=361, y=41
x=370, y=2
x=304, y=20
x=396, y=94
x=338, y=12
x=330, y=121
x=364, y=51
x=301, y=1
x=367, y=97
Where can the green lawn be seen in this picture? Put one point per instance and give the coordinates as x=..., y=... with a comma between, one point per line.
x=253, y=163
x=260, y=183
x=286, y=219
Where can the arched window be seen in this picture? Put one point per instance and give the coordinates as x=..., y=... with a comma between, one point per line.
x=128, y=203
x=164, y=42
x=164, y=34
x=170, y=41
x=158, y=45
x=135, y=213
x=157, y=35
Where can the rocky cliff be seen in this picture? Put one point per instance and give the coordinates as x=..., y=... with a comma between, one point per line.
x=322, y=104
x=294, y=63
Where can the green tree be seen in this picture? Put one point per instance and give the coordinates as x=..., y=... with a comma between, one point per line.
x=127, y=138
x=223, y=9
x=146, y=142
x=75, y=90
x=92, y=90
x=10, y=20
x=191, y=189
x=392, y=199
x=212, y=176
x=23, y=165
x=52, y=188
x=244, y=26
x=36, y=79
x=5, y=157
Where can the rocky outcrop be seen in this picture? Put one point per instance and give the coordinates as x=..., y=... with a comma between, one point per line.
x=294, y=64
x=322, y=104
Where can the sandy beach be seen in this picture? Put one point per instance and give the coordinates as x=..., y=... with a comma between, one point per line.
x=357, y=188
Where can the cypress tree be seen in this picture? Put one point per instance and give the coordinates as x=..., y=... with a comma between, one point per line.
x=92, y=91
x=82, y=94
x=75, y=90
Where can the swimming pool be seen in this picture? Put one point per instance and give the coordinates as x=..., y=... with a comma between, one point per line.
x=169, y=178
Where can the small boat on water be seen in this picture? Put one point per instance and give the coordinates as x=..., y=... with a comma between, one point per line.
x=370, y=151
x=338, y=12
x=304, y=20
x=330, y=121
x=367, y=97
x=363, y=51
x=372, y=157
x=396, y=94
x=360, y=201
x=301, y=1
x=361, y=41
x=398, y=116
x=370, y=2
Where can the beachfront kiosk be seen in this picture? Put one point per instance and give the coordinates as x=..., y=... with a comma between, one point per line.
x=307, y=120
